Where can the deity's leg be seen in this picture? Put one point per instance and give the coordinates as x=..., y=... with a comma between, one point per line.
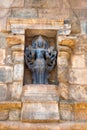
x=37, y=76
x=34, y=78
x=46, y=78
x=42, y=77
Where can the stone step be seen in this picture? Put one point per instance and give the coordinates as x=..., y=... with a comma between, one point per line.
x=15, y=125
x=41, y=92
x=40, y=112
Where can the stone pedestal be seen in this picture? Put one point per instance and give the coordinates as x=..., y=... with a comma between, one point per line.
x=40, y=103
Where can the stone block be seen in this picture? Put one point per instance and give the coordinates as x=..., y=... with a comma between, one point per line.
x=24, y=13
x=63, y=54
x=18, y=48
x=15, y=40
x=78, y=61
x=81, y=14
x=75, y=24
x=80, y=105
x=68, y=42
x=16, y=90
x=66, y=110
x=81, y=115
x=81, y=111
x=80, y=49
x=63, y=60
x=18, y=31
x=3, y=24
x=4, y=14
x=54, y=24
x=2, y=56
x=63, y=74
x=64, y=49
x=6, y=74
x=82, y=38
x=79, y=4
x=14, y=115
x=40, y=112
x=43, y=4
x=9, y=60
x=18, y=57
x=34, y=93
x=3, y=42
x=4, y=114
x=10, y=105
x=11, y=3
x=86, y=59
x=63, y=90
x=53, y=13
x=18, y=72
x=18, y=125
x=3, y=92
x=78, y=76
x=78, y=92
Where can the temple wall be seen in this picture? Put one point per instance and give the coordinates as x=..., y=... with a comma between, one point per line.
x=72, y=65
x=74, y=10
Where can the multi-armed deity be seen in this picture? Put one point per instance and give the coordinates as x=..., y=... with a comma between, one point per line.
x=40, y=59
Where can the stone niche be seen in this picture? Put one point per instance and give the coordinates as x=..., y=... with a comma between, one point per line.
x=40, y=103
x=51, y=36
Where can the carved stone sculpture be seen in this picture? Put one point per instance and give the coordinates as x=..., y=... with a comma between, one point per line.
x=40, y=59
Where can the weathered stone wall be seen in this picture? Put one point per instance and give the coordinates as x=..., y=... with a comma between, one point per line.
x=71, y=105
x=11, y=76
x=73, y=99
x=74, y=10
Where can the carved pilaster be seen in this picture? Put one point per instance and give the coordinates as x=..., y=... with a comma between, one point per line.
x=65, y=46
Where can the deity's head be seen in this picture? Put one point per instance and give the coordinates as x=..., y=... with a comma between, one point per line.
x=40, y=42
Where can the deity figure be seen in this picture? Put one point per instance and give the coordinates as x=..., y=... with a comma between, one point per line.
x=40, y=59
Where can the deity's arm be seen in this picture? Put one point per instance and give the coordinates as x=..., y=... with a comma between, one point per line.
x=51, y=56
x=29, y=56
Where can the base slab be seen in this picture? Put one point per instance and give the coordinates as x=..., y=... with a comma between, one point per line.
x=40, y=112
x=41, y=92
x=8, y=125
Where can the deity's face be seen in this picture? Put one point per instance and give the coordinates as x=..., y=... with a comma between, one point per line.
x=40, y=42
